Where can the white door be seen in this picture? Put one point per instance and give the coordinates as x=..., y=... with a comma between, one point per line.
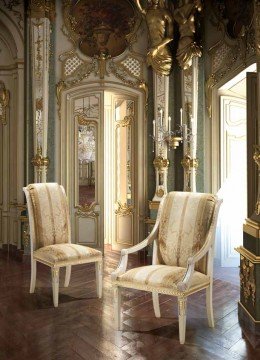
x=233, y=177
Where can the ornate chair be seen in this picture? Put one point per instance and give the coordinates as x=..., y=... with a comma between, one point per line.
x=50, y=236
x=183, y=251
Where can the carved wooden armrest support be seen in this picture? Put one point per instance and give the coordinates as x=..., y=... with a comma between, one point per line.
x=121, y=269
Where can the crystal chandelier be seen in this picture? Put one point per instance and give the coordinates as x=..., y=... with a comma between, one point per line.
x=86, y=145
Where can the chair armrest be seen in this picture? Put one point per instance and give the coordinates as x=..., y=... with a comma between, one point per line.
x=122, y=266
x=149, y=240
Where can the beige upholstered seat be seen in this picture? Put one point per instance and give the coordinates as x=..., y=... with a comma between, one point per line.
x=161, y=278
x=183, y=247
x=50, y=236
x=66, y=254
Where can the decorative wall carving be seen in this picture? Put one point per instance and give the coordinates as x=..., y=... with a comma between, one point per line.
x=39, y=9
x=15, y=7
x=4, y=103
x=247, y=279
x=159, y=20
x=235, y=20
x=187, y=47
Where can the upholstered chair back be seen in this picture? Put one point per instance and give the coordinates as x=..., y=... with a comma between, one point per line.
x=48, y=214
x=184, y=223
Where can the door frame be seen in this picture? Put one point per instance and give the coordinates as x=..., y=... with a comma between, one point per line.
x=63, y=155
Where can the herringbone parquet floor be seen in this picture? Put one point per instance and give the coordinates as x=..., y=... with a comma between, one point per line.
x=82, y=326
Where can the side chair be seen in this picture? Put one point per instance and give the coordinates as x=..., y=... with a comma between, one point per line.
x=183, y=251
x=50, y=236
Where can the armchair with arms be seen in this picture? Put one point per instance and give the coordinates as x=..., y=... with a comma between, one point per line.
x=183, y=250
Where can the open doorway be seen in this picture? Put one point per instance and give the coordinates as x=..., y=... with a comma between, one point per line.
x=233, y=167
x=103, y=164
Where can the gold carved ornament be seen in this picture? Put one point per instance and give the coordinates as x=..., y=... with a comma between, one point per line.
x=124, y=209
x=188, y=163
x=187, y=47
x=160, y=163
x=159, y=20
x=38, y=160
x=87, y=210
x=42, y=9
x=4, y=102
x=247, y=279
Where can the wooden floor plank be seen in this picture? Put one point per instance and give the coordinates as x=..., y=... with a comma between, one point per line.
x=82, y=326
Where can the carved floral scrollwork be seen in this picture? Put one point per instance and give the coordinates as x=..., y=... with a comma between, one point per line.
x=87, y=210
x=247, y=279
x=124, y=209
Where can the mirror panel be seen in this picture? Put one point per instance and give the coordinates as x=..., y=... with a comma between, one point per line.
x=86, y=112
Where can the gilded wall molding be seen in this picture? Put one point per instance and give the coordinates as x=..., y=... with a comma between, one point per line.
x=4, y=103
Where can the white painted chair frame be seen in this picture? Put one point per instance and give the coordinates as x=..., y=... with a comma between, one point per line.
x=56, y=269
x=183, y=285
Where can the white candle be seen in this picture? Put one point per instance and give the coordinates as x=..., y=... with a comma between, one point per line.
x=161, y=112
x=169, y=123
x=154, y=128
x=181, y=116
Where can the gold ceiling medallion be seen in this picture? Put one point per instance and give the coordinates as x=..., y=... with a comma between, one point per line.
x=247, y=279
x=87, y=210
x=109, y=30
x=4, y=102
x=124, y=209
x=187, y=47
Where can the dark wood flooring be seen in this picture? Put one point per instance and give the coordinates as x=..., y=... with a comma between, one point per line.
x=82, y=326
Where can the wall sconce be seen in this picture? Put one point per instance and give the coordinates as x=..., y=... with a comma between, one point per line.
x=162, y=133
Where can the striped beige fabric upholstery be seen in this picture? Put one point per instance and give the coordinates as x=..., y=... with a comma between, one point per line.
x=184, y=224
x=159, y=277
x=60, y=254
x=50, y=213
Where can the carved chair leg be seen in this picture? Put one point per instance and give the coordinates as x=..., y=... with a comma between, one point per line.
x=33, y=276
x=99, y=276
x=182, y=303
x=117, y=308
x=209, y=306
x=156, y=304
x=67, y=276
x=55, y=286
